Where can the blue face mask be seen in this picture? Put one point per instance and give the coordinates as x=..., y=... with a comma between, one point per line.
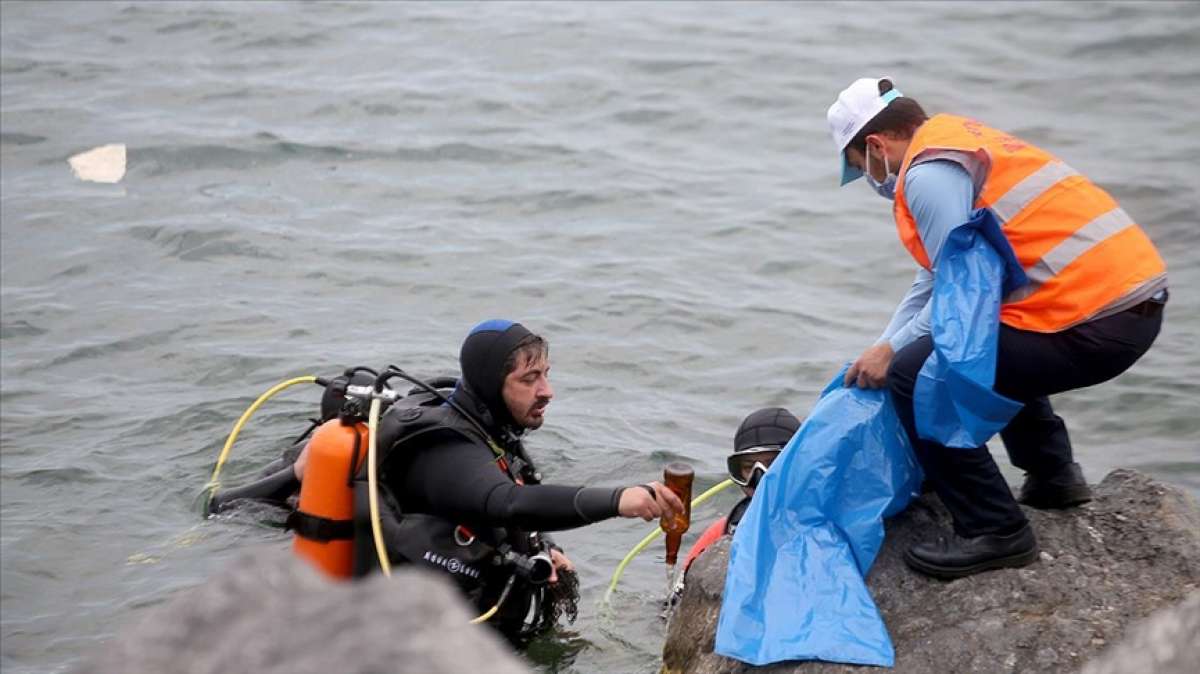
x=885, y=189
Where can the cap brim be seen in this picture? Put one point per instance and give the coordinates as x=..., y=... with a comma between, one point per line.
x=849, y=173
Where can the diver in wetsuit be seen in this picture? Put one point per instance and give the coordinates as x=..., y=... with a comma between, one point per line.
x=461, y=494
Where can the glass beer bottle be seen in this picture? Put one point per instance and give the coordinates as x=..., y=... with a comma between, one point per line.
x=678, y=478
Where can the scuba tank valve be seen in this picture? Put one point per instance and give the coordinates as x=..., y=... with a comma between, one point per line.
x=370, y=393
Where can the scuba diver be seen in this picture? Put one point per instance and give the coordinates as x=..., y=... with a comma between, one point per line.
x=758, y=441
x=460, y=494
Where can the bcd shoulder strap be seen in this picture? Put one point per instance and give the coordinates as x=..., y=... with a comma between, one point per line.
x=404, y=424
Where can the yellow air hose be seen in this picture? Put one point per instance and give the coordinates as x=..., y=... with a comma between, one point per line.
x=492, y=611
x=645, y=542
x=385, y=564
x=213, y=482
x=484, y=617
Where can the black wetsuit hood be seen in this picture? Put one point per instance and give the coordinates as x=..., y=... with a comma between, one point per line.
x=481, y=360
x=768, y=427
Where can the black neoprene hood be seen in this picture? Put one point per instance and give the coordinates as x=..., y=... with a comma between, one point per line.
x=482, y=358
x=768, y=427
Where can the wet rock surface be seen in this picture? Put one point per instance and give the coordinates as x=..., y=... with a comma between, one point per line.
x=1104, y=567
x=271, y=613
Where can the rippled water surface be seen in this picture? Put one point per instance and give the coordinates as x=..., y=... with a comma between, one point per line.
x=649, y=185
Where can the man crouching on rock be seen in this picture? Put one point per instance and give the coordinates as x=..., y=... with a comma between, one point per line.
x=1093, y=306
x=464, y=499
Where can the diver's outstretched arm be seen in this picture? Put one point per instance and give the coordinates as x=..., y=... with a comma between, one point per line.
x=460, y=480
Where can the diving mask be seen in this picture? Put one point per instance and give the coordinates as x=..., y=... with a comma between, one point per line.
x=747, y=467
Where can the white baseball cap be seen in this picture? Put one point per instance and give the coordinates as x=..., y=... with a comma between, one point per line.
x=854, y=107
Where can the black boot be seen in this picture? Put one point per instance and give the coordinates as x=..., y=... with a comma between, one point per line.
x=957, y=556
x=1063, y=489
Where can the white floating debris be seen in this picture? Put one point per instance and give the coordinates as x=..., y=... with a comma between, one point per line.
x=104, y=164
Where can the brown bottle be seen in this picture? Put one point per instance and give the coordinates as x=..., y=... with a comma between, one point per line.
x=678, y=478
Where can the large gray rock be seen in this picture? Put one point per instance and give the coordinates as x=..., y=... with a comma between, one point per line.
x=1167, y=642
x=271, y=613
x=1104, y=566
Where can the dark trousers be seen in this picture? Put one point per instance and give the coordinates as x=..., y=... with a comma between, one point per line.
x=1029, y=367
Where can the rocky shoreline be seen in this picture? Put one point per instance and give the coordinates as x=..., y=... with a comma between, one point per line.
x=1104, y=567
x=270, y=613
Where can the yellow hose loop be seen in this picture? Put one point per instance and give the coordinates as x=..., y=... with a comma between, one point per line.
x=484, y=617
x=499, y=601
x=637, y=550
x=213, y=482
x=385, y=564
x=645, y=542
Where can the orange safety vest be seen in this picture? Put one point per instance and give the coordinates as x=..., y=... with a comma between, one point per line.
x=1082, y=253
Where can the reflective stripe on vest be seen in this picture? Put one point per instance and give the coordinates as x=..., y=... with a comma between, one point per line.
x=1081, y=251
x=1083, y=240
x=1023, y=193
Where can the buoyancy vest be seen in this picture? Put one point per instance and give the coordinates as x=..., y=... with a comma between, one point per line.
x=471, y=555
x=1082, y=253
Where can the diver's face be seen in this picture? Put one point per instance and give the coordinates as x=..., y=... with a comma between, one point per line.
x=527, y=392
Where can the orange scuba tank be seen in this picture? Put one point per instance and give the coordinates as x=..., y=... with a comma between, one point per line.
x=323, y=521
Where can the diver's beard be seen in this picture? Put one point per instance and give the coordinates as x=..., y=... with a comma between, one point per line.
x=534, y=421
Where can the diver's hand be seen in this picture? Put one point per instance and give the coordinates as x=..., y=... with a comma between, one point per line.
x=870, y=370
x=558, y=561
x=637, y=502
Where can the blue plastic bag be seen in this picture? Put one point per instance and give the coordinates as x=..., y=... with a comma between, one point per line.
x=794, y=589
x=953, y=401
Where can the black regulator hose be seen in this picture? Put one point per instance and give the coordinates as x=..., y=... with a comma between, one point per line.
x=442, y=382
x=392, y=370
x=350, y=372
